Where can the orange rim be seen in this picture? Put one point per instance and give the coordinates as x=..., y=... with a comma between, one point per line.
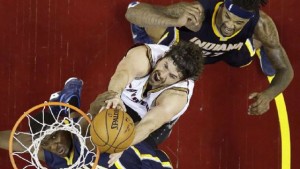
x=10, y=144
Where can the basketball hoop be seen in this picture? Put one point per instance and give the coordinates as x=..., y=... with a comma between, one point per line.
x=73, y=127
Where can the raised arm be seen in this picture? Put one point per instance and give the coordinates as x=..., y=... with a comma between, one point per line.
x=135, y=64
x=179, y=14
x=266, y=33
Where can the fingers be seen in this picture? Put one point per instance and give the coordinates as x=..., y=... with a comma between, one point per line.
x=252, y=95
x=193, y=16
x=260, y=105
x=106, y=100
x=197, y=11
x=114, y=158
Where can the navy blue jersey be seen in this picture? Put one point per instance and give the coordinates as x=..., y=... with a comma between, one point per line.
x=140, y=156
x=215, y=46
x=54, y=161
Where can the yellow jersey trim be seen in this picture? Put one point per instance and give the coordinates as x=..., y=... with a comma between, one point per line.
x=250, y=48
x=150, y=157
x=119, y=165
x=69, y=159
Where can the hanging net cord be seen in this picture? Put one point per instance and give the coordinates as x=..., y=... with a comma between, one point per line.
x=65, y=124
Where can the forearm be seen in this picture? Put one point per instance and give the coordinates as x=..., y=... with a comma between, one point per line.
x=147, y=15
x=280, y=82
x=4, y=135
x=118, y=81
x=25, y=139
x=284, y=71
x=141, y=133
x=149, y=124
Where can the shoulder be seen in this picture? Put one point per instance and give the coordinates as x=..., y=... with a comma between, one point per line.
x=264, y=19
x=266, y=31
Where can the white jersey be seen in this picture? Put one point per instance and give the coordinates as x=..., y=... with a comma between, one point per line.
x=133, y=97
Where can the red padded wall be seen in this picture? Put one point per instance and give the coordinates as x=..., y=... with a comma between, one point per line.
x=42, y=43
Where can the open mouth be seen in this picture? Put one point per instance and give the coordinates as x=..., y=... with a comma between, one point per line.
x=61, y=150
x=226, y=31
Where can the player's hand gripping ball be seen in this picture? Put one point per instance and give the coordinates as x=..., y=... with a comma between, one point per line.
x=112, y=130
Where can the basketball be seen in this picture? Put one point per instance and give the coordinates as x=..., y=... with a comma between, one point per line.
x=112, y=130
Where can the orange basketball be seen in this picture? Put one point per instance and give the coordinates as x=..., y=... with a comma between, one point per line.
x=112, y=130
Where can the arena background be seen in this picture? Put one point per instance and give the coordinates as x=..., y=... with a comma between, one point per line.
x=43, y=42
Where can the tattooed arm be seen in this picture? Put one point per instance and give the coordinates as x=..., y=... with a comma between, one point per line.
x=179, y=14
x=266, y=33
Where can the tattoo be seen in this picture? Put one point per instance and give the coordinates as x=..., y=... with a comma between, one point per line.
x=266, y=32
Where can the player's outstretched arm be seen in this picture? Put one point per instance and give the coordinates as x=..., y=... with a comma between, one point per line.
x=134, y=65
x=4, y=135
x=179, y=14
x=168, y=104
x=266, y=32
x=25, y=139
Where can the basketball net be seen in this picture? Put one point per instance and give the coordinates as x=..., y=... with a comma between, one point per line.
x=86, y=155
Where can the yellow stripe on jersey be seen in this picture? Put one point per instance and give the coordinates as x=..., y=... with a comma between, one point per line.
x=176, y=36
x=119, y=165
x=251, y=50
x=175, y=39
x=69, y=159
x=150, y=157
x=167, y=164
x=215, y=29
x=250, y=47
x=163, y=37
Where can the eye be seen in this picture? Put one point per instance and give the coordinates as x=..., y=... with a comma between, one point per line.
x=239, y=22
x=44, y=144
x=173, y=76
x=53, y=136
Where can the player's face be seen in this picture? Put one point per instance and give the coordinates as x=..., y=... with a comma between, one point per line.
x=165, y=73
x=228, y=23
x=59, y=143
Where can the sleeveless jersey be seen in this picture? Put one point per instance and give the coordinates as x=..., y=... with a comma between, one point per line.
x=208, y=37
x=133, y=94
x=139, y=156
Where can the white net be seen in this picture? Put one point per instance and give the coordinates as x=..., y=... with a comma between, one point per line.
x=87, y=153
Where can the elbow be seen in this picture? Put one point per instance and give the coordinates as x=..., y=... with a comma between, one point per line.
x=129, y=15
x=290, y=73
x=131, y=11
x=287, y=73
